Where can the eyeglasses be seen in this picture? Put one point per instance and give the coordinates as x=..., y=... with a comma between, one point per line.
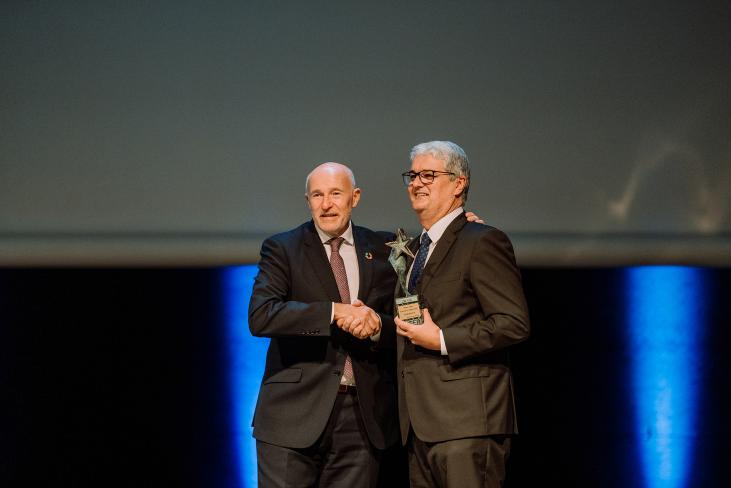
x=426, y=176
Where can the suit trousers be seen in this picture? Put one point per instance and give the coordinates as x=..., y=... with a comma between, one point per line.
x=342, y=456
x=460, y=463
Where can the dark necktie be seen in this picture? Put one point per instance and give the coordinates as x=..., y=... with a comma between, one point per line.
x=419, y=261
x=341, y=278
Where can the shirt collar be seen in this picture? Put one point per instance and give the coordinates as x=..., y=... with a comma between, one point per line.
x=436, y=230
x=347, y=235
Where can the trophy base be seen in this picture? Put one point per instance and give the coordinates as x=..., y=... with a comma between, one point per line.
x=408, y=310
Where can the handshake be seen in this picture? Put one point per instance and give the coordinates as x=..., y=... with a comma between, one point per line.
x=357, y=319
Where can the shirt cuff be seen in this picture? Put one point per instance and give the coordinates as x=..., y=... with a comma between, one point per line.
x=442, y=345
x=332, y=312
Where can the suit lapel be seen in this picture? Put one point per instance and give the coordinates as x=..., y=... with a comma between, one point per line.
x=441, y=249
x=316, y=255
x=365, y=266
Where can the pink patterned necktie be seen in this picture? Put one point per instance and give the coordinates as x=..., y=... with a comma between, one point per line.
x=341, y=278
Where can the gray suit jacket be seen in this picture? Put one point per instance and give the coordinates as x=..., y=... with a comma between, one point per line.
x=291, y=304
x=472, y=288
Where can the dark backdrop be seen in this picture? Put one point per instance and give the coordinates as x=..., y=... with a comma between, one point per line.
x=122, y=377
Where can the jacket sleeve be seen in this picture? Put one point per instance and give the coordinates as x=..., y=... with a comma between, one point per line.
x=271, y=312
x=387, y=338
x=503, y=320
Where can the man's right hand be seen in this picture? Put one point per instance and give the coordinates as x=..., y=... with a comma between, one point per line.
x=357, y=319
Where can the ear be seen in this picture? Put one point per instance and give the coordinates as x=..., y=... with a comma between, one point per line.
x=460, y=186
x=307, y=199
x=356, y=197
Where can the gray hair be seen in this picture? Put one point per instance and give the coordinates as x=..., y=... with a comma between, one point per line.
x=454, y=158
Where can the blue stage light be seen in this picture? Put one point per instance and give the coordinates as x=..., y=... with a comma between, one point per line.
x=666, y=326
x=246, y=366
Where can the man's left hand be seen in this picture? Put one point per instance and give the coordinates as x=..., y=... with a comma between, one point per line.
x=425, y=335
x=472, y=217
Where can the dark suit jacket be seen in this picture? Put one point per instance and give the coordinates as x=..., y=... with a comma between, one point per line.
x=291, y=304
x=472, y=288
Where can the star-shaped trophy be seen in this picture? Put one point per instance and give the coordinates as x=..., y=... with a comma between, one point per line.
x=407, y=307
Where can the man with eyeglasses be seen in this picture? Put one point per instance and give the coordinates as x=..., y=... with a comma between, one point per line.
x=455, y=389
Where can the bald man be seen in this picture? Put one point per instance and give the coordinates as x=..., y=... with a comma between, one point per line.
x=327, y=403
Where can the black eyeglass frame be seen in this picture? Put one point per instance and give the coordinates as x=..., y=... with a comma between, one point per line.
x=410, y=176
